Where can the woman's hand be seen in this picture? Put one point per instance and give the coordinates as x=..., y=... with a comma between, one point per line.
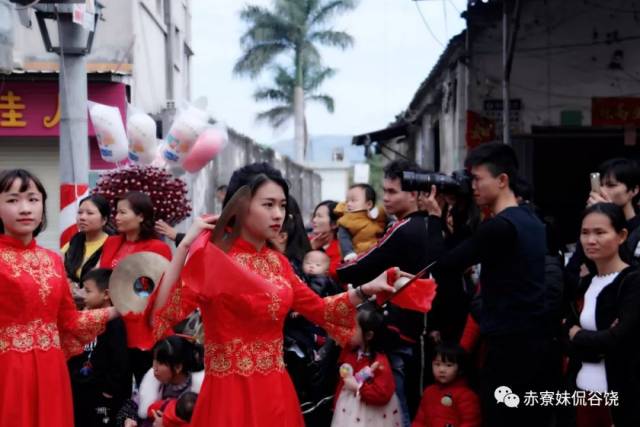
x=130, y=423
x=201, y=223
x=595, y=197
x=320, y=240
x=379, y=284
x=573, y=331
x=165, y=229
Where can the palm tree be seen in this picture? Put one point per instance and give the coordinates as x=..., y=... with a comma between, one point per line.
x=295, y=28
x=283, y=95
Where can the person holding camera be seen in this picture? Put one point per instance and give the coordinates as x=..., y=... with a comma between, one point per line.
x=619, y=184
x=407, y=245
x=510, y=247
x=460, y=216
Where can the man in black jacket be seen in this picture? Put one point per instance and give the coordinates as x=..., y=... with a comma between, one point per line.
x=406, y=245
x=511, y=248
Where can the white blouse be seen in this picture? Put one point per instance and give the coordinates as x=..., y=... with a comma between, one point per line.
x=593, y=376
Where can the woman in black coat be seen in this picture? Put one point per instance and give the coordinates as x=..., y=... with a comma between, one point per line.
x=604, y=346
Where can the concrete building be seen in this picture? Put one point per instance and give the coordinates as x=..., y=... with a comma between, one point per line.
x=574, y=97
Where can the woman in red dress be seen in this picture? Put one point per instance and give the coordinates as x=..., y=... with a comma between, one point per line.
x=324, y=237
x=244, y=297
x=39, y=324
x=135, y=224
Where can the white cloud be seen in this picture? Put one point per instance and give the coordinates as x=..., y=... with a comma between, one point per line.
x=376, y=79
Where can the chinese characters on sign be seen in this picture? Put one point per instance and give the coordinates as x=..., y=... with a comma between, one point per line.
x=615, y=111
x=32, y=109
x=11, y=107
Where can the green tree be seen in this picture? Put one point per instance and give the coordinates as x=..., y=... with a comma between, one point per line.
x=296, y=29
x=282, y=94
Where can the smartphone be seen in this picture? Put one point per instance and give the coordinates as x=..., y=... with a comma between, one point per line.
x=595, y=182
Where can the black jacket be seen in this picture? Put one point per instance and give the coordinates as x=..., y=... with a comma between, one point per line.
x=511, y=250
x=618, y=345
x=110, y=372
x=407, y=245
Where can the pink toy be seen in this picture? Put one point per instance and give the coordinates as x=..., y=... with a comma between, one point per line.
x=209, y=143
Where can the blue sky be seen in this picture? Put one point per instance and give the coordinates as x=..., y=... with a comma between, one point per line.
x=376, y=79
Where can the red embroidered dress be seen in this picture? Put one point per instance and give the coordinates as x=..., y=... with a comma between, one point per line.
x=39, y=326
x=244, y=299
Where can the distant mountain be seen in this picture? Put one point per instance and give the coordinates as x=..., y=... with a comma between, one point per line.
x=321, y=148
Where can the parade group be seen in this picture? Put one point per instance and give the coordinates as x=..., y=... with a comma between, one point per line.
x=294, y=325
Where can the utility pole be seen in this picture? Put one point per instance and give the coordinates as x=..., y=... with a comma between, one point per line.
x=75, y=41
x=74, y=130
x=508, y=48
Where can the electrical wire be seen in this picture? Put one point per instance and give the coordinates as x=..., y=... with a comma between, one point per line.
x=444, y=14
x=454, y=6
x=564, y=46
x=426, y=24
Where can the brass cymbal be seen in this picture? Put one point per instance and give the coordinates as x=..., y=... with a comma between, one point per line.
x=134, y=279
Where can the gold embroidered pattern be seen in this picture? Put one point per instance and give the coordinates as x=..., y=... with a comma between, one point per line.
x=36, y=263
x=243, y=358
x=274, y=306
x=35, y=335
x=169, y=314
x=83, y=328
x=340, y=317
x=266, y=265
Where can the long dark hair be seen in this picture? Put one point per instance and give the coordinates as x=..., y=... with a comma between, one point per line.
x=618, y=222
x=7, y=179
x=141, y=204
x=75, y=253
x=255, y=175
x=297, y=241
x=176, y=350
x=371, y=319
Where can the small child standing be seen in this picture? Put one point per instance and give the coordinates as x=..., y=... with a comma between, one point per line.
x=360, y=222
x=100, y=376
x=316, y=270
x=450, y=401
x=366, y=392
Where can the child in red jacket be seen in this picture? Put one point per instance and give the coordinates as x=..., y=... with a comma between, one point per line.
x=173, y=412
x=449, y=402
x=366, y=392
